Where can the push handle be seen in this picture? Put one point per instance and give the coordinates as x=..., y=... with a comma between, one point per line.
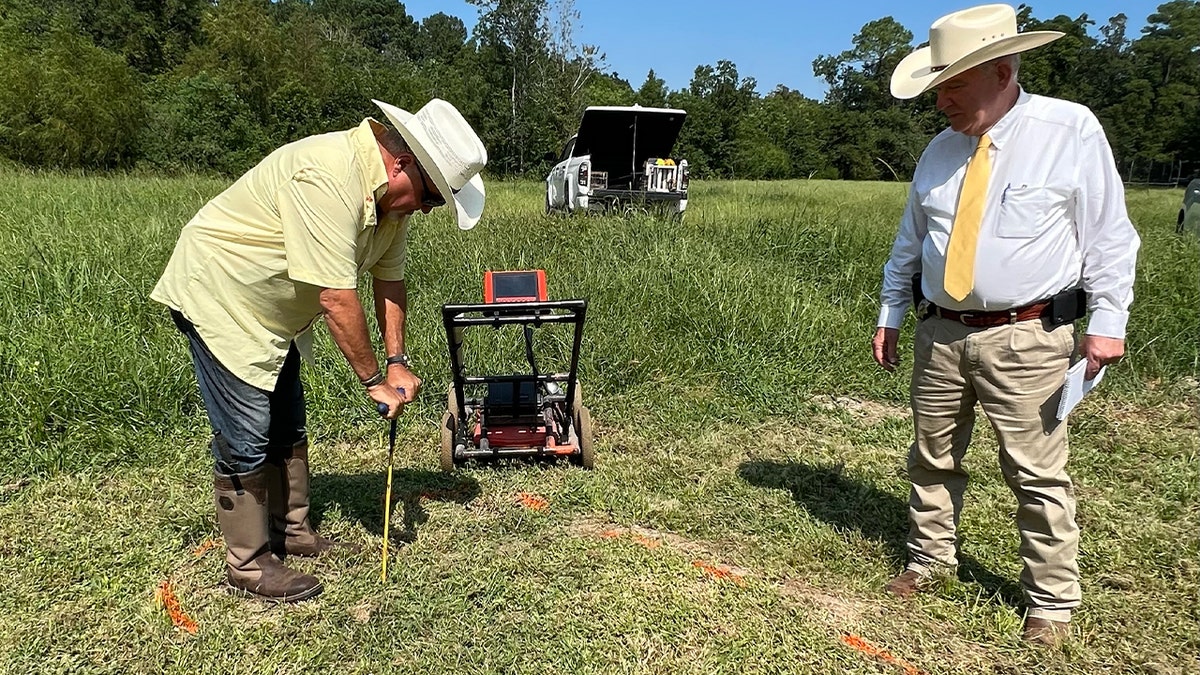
x=382, y=408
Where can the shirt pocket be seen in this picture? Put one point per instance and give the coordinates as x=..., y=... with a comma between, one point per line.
x=1026, y=211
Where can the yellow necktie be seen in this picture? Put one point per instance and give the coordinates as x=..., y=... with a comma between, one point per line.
x=960, y=254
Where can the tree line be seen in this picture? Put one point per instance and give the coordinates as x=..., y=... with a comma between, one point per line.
x=214, y=85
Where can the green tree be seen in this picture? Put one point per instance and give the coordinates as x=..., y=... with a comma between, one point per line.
x=653, y=92
x=152, y=37
x=860, y=78
x=1167, y=55
x=718, y=98
x=379, y=25
x=606, y=89
x=529, y=50
x=441, y=38
x=65, y=102
x=1061, y=68
x=867, y=133
x=199, y=123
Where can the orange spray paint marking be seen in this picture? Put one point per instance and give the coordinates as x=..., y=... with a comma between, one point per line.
x=204, y=547
x=721, y=572
x=646, y=541
x=880, y=654
x=165, y=597
x=610, y=534
x=533, y=502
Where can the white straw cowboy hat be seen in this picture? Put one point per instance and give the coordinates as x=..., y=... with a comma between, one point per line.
x=449, y=150
x=961, y=41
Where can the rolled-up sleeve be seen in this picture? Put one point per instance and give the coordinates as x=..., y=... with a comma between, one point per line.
x=319, y=230
x=1107, y=239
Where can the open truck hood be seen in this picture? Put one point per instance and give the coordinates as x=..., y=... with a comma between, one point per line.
x=611, y=134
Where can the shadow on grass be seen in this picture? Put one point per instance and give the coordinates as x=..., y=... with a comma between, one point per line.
x=360, y=497
x=848, y=503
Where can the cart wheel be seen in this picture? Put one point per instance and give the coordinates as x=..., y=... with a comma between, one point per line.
x=583, y=429
x=449, y=424
x=447, y=456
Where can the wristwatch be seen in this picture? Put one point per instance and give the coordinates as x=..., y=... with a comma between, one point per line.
x=401, y=359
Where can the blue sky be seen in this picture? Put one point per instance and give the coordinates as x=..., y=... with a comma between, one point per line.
x=774, y=42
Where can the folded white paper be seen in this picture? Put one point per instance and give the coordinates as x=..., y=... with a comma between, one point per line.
x=1075, y=386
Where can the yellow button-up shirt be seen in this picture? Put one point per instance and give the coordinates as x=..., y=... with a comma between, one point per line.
x=248, y=269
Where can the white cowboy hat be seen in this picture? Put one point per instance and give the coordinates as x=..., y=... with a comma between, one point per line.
x=960, y=41
x=449, y=150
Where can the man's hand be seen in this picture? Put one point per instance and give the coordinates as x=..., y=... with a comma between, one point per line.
x=400, y=377
x=386, y=394
x=1099, y=352
x=883, y=347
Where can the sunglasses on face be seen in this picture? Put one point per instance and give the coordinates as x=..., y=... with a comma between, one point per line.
x=429, y=198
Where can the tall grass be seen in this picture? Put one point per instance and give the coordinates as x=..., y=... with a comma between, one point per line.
x=765, y=295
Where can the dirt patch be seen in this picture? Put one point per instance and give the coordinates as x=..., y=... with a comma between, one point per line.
x=866, y=411
x=1181, y=415
x=362, y=611
x=13, y=487
x=645, y=536
x=840, y=612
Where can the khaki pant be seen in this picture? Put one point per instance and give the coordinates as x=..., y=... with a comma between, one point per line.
x=1015, y=373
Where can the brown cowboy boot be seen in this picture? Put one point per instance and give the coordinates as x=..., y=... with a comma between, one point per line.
x=287, y=483
x=250, y=567
x=1045, y=632
x=907, y=584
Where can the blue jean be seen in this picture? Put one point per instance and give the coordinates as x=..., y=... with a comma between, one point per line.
x=249, y=424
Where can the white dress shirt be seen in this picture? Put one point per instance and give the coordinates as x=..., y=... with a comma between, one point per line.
x=1054, y=217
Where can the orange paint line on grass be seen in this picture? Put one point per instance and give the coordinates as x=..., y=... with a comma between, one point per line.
x=880, y=654
x=164, y=597
x=533, y=502
x=723, y=572
x=640, y=540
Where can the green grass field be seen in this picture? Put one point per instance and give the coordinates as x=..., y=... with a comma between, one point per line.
x=741, y=424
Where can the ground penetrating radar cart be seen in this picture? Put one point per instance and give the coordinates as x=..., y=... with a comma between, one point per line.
x=531, y=414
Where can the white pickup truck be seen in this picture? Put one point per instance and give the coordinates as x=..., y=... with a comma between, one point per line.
x=621, y=158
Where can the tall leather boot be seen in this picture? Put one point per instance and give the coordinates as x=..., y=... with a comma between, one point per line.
x=288, y=487
x=250, y=566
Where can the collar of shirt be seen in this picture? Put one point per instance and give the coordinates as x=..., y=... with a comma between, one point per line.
x=1004, y=128
x=366, y=152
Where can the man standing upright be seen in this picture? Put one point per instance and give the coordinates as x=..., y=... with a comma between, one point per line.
x=1016, y=224
x=255, y=268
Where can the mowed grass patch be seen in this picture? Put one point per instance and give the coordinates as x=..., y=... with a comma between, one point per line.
x=740, y=423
